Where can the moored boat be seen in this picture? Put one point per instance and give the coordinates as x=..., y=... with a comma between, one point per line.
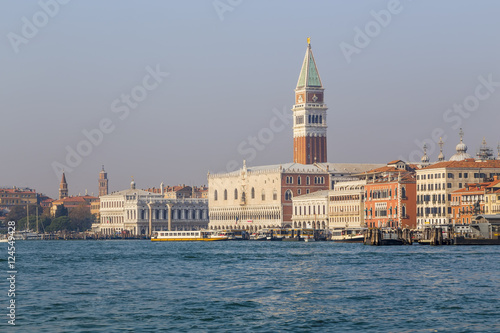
x=349, y=235
x=195, y=235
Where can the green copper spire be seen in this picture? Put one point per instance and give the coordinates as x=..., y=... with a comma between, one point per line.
x=309, y=76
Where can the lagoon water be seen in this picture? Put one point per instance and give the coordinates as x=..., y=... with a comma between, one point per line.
x=140, y=286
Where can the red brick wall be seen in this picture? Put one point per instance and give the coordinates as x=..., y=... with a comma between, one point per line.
x=312, y=187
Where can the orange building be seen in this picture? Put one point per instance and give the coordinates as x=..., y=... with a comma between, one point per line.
x=470, y=201
x=10, y=197
x=73, y=202
x=391, y=196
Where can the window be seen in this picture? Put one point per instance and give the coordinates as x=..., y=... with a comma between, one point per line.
x=225, y=194
x=298, y=191
x=466, y=175
x=253, y=193
x=275, y=195
x=459, y=185
x=448, y=185
x=308, y=180
x=263, y=195
x=215, y=195
x=299, y=120
x=288, y=195
x=298, y=180
x=235, y=194
x=289, y=180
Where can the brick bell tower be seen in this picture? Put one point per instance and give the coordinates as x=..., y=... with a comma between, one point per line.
x=103, y=182
x=309, y=114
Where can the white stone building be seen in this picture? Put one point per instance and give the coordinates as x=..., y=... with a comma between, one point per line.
x=311, y=210
x=346, y=205
x=260, y=197
x=131, y=212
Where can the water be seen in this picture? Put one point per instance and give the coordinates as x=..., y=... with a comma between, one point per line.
x=140, y=286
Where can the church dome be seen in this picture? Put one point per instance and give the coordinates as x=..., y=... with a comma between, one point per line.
x=461, y=153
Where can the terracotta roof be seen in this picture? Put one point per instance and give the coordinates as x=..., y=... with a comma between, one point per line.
x=463, y=190
x=495, y=183
x=74, y=200
x=468, y=163
x=394, y=162
x=16, y=190
x=385, y=169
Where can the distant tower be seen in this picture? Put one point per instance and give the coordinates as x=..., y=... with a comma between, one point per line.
x=425, y=158
x=498, y=150
x=309, y=114
x=63, y=188
x=441, y=155
x=103, y=182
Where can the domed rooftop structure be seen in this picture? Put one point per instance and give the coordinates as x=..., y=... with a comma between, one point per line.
x=461, y=153
x=425, y=158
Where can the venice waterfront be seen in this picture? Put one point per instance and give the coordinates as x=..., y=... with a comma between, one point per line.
x=114, y=286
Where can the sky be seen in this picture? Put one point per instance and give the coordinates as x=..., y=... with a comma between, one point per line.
x=167, y=91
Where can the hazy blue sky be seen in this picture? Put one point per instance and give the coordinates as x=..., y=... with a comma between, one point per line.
x=230, y=64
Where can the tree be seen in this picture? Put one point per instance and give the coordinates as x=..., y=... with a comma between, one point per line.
x=16, y=213
x=81, y=219
x=59, y=224
x=61, y=211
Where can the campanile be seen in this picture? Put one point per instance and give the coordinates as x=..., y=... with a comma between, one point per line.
x=309, y=114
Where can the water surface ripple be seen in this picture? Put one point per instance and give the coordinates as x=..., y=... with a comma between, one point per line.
x=140, y=286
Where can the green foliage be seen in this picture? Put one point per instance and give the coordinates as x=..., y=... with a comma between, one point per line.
x=19, y=212
x=81, y=219
x=59, y=224
x=61, y=211
x=16, y=213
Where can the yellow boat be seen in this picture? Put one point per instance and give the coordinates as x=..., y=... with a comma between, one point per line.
x=187, y=236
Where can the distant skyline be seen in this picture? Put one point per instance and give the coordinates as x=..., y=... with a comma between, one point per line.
x=166, y=91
